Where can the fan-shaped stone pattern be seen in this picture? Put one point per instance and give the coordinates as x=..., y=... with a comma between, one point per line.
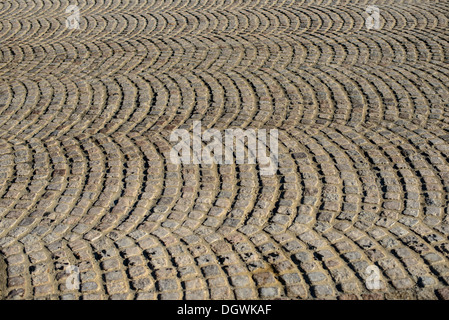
x=86, y=178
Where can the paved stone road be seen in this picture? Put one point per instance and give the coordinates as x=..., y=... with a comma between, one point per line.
x=85, y=176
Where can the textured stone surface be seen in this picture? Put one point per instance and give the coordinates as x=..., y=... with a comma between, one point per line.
x=85, y=176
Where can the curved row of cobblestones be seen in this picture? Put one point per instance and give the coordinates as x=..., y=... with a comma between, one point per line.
x=86, y=178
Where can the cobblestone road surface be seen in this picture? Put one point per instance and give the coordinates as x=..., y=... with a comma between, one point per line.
x=85, y=176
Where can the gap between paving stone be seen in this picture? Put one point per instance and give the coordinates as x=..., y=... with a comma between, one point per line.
x=2, y=277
